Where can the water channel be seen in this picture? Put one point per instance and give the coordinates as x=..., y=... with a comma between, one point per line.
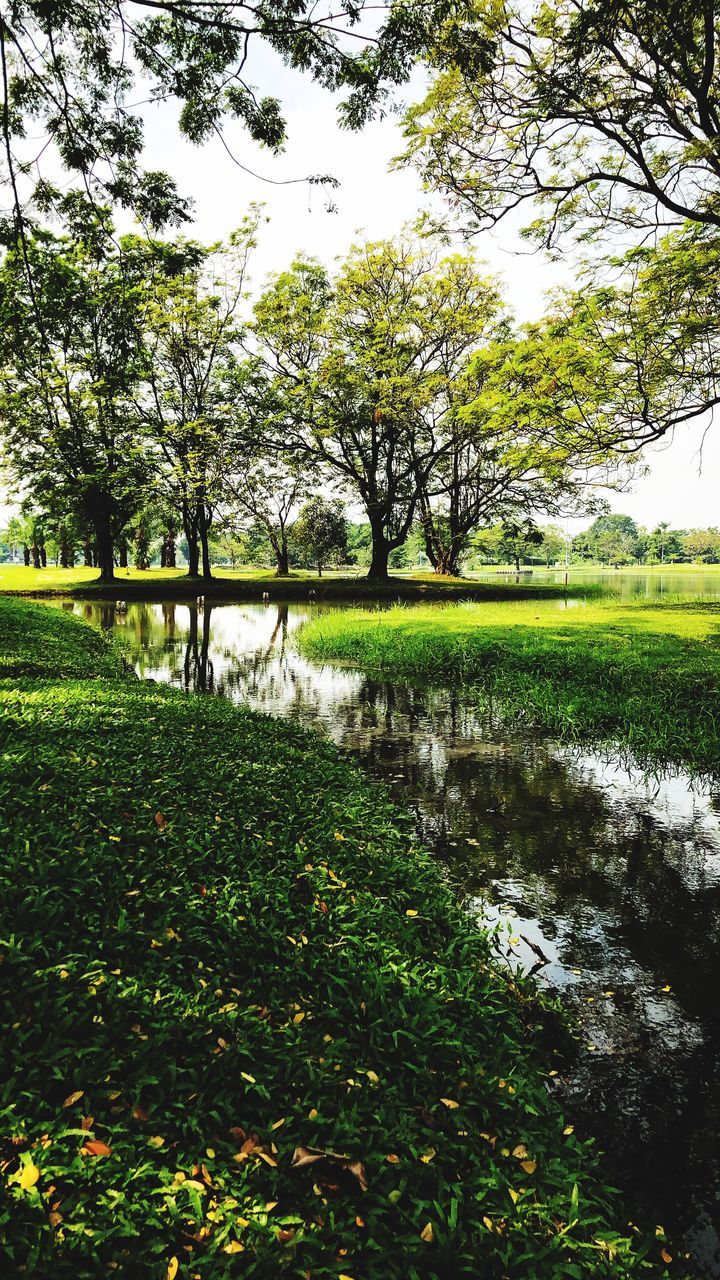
x=607, y=874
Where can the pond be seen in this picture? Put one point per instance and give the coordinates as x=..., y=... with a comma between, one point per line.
x=704, y=583
x=606, y=880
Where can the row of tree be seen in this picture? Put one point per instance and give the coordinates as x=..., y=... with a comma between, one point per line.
x=138, y=384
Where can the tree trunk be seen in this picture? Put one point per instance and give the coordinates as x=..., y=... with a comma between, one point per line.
x=26, y=555
x=190, y=525
x=123, y=555
x=87, y=556
x=169, y=550
x=203, y=527
x=283, y=560
x=105, y=560
x=43, y=555
x=36, y=556
x=380, y=552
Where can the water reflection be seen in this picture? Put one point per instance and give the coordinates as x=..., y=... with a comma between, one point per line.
x=659, y=582
x=609, y=880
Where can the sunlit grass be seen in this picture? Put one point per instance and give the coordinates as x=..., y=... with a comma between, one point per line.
x=646, y=674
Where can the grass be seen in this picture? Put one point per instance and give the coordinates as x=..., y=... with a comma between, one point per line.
x=249, y=583
x=646, y=675
x=218, y=945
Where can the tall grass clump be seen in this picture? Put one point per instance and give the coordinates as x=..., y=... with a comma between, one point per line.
x=646, y=675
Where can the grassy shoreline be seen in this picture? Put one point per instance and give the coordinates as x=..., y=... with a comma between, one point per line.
x=218, y=944
x=645, y=675
x=254, y=584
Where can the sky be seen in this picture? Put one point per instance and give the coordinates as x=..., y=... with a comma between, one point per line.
x=374, y=202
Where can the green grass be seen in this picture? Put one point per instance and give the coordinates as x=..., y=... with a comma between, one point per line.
x=218, y=944
x=249, y=583
x=646, y=675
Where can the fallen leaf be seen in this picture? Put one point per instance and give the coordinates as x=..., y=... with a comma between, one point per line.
x=72, y=1098
x=450, y=1103
x=330, y=1163
x=520, y=1152
x=666, y=1257
x=373, y=1077
x=172, y=1270
x=514, y=1195
x=29, y=1175
x=233, y=1247
x=161, y=823
x=246, y=1076
x=139, y=1113
x=427, y=1233
x=411, y=913
x=569, y=1129
x=528, y=1165
x=95, y=1148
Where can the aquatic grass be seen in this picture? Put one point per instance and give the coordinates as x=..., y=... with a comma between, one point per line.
x=219, y=944
x=645, y=674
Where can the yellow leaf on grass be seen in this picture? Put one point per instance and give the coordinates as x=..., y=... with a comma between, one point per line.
x=72, y=1098
x=172, y=1270
x=411, y=913
x=29, y=1176
x=427, y=1233
x=246, y=1076
x=666, y=1257
x=520, y=1152
x=156, y=1141
x=569, y=1129
x=298, y=1017
x=488, y=1223
x=514, y=1195
x=450, y=1103
x=233, y=1247
x=528, y=1165
x=373, y=1077
x=277, y=1123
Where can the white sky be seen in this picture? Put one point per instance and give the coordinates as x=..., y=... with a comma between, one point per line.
x=373, y=203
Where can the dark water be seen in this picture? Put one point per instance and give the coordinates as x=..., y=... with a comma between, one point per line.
x=610, y=876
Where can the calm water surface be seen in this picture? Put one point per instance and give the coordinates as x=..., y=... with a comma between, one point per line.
x=608, y=879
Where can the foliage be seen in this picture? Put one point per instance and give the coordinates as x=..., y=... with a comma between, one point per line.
x=72, y=72
x=602, y=115
x=643, y=675
x=320, y=535
x=219, y=947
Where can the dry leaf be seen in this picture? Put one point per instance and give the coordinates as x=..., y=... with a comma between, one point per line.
x=95, y=1148
x=450, y=1103
x=520, y=1151
x=427, y=1233
x=161, y=823
x=514, y=1195
x=528, y=1165
x=72, y=1098
x=172, y=1270
x=330, y=1164
x=233, y=1247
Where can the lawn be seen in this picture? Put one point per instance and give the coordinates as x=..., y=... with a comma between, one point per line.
x=221, y=956
x=248, y=583
x=646, y=675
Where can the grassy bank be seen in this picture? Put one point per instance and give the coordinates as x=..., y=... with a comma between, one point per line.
x=218, y=946
x=647, y=675
x=253, y=584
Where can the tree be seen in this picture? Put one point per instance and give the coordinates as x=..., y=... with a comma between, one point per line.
x=365, y=364
x=510, y=541
x=611, y=539
x=188, y=398
x=320, y=534
x=600, y=114
x=73, y=356
x=702, y=545
x=554, y=543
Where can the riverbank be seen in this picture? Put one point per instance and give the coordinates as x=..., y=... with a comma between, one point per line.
x=647, y=675
x=219, y=949
x=256, y=584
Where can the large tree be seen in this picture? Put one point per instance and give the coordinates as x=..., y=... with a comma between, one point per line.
x=190, y=397
x=73, y=355
x=365, y=365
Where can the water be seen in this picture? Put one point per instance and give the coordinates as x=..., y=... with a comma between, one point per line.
x=702, y=583
x=608, y=879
